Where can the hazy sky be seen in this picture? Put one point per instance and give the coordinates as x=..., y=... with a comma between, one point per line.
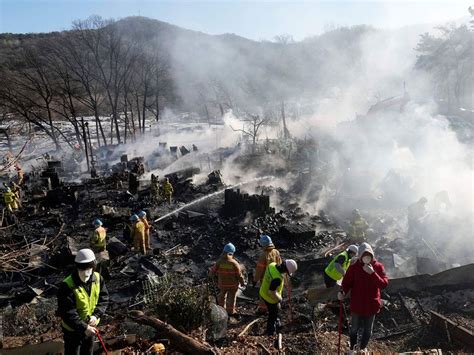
x=251, y=19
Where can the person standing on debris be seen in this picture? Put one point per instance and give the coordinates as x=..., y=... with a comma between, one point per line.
x=20, y=174
x=9, y=199
x=138, y=234
x=98, y=239
x=338, y=266
x=155, y=188
x=358, y=226
x=229, y=277
x=16, y=192
x=168, y=190
x=364, y=279
x=82, y=300
x=271, y=290
x=268, y=255
x=142, y=216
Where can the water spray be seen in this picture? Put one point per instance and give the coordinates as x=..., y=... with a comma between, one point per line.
x=269, y=177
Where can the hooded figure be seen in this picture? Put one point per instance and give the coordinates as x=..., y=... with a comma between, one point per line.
x=365, y=278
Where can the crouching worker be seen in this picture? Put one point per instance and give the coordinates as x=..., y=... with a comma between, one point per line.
x=82, y=300
x=229, y=276
x=338, y=266
x=365, y=278
x=272, y=288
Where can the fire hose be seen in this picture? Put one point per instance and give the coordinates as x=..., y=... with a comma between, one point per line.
x=102, y=342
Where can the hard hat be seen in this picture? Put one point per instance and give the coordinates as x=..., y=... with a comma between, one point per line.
x=352, y=249
x=134, y=218
x=265, y=240
x=97, y=222
x=291, y=266
x=142, y=214
x=229, y=248
x=84, y=256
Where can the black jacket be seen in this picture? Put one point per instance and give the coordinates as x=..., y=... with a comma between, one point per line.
x=67, y=302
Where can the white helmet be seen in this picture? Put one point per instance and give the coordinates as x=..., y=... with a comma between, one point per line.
x=291, y=266
x=84, y=256
x=352, y=249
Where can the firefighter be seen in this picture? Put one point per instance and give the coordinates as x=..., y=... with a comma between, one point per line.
x=268, y=255
x=138, y=234
x=358, y=226
x=229, y=276
x=10, y=200
x=142, y=216
x=98, y=239
x=168, y=190
x=82, y=301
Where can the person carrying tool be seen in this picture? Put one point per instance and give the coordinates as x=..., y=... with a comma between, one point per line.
x=272, y=288
x=168, y=190
x=142, y=216
x=338, y=266
x=138, y=234
x=268, y=255
x=358, y=227
x=229, y=277
x=365, y=278
x=82, y=300
x=98, y=239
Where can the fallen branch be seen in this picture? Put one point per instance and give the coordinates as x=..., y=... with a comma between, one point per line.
x=247, y=327
x=180, y=340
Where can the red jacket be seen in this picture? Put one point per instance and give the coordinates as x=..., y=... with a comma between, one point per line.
x=365, y=288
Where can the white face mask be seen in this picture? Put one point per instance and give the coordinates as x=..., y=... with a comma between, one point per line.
x=85, y=275
x=366, y=259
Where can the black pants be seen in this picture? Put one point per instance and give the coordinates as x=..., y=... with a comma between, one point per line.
x=328, y=281
x=77, y=344
x=273, y=322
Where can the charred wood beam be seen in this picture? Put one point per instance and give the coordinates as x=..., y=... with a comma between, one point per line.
x=445, y=326
x=180, y=340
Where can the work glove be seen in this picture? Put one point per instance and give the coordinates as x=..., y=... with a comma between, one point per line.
x=340, y=296
x=368, y=269
x=93, y=321
x=90, y=331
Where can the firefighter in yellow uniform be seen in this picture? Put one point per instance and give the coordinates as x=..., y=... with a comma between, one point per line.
x=98, y=239
x=82, y=301
x=269, y=255
x=142, y=216
x=271, y=290
x=138, y=234
x=9, y=198
x=358, y=227
x=229, y=276
x=168, y=190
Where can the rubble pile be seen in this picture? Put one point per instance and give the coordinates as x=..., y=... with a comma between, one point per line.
x=40, y=240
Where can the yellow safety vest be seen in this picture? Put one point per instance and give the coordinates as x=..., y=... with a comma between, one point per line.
x=332, y=272
x=271, y=273
x=85, y=304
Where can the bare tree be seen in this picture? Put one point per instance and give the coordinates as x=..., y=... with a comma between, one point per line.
x=253, y=131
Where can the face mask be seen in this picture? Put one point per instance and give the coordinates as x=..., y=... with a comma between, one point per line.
x=85, y=275
x=366, y=259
